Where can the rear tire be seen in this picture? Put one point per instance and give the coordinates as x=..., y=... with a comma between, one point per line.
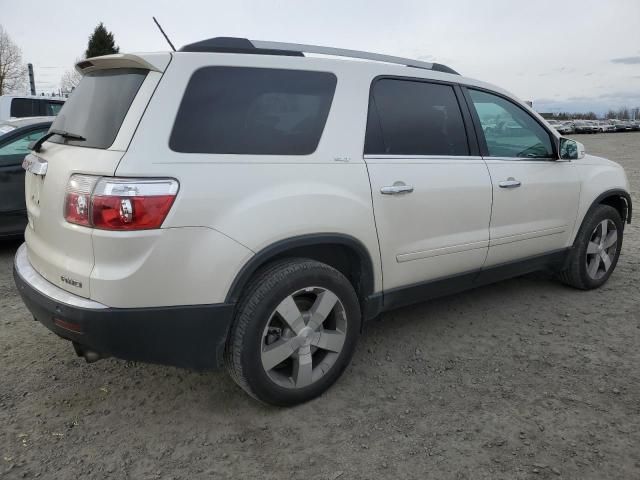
x=294, y=333
x=596, y=249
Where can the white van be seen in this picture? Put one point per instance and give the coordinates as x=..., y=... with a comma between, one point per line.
x=20, y=106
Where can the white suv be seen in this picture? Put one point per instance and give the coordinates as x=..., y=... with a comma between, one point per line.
x=239, y=203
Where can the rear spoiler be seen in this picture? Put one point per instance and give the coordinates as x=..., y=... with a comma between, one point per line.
x=156, y=62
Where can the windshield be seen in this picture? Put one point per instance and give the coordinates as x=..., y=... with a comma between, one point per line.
x=97, y=107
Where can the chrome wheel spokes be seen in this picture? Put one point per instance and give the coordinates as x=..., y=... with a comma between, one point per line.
x=601, y=249
x=303, y=337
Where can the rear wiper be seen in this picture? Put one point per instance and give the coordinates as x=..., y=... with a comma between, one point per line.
x=68, y=135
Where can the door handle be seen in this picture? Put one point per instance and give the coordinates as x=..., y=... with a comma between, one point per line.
x=396, y=188
x=510, y=183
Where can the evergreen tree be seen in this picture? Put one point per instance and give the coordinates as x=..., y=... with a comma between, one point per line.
x=101, y=43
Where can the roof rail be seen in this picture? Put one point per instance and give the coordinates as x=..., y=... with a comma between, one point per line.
x=243, y=45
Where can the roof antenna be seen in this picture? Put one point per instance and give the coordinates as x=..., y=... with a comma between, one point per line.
x=165, y=35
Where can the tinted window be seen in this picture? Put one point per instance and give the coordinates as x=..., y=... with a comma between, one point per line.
x=414, y=118
x=24, y=107
x=52, y=108
x=253, y=111
x=98, y=105
x=19, y=147
x=509, y=130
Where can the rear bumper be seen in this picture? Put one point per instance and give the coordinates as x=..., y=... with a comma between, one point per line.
x=191, y=336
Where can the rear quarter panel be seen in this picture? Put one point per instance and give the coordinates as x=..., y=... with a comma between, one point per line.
x=257, y=200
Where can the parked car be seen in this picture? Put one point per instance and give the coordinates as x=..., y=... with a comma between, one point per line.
x=582, y=126
x=595, y=127
x=239, y=206
x=555, y=124
x=605, y=127
x=15, y=137
x=21, y=106
x=562, y=127
x=566, y=128
x=622, y=126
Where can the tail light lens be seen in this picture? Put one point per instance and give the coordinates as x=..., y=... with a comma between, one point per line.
x=119, y=203
x=77, y=202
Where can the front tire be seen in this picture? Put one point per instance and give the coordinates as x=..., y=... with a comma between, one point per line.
x=596, y=249
x=295, y=331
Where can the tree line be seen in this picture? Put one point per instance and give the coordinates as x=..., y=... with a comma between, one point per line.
x=13, y=72
x=623, y=113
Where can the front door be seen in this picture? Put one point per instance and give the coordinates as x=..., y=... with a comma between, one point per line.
x=431, y=197
x=535, y=195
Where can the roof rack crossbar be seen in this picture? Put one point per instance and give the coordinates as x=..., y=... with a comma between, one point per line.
x=341, y=52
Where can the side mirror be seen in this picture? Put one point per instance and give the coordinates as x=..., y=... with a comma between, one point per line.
x=570, y=149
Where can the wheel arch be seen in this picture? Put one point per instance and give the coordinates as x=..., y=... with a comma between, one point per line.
x=343, y=252
x=616, y=198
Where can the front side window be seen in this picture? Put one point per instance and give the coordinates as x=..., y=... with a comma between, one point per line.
x=253, y=111
x=14, y=151
x=508, y=130
x=408, y=117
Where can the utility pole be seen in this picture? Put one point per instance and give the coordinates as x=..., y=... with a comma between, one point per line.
x=32, y=82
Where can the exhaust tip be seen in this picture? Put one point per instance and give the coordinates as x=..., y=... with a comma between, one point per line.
x=89, y=355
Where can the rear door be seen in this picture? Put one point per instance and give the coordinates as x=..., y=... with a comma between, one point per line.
x=431, y=190
x=13, y=148
x=535, y=195
x=105, y=108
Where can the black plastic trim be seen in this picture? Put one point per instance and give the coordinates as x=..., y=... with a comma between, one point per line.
x=234, y=45
x=190, y=336
x=438, y=67
x=419, y=292
x=282, y=246
x=613, y=193
x=472, y=138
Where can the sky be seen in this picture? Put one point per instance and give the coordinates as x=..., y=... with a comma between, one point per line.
x=564, y=55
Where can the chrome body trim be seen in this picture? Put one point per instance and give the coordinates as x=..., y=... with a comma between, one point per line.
x=340, y=52
x=34, y=164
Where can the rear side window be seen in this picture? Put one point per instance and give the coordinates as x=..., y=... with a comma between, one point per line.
x=255, y=111
x=34, y=107
x=25, y=107
x=97, y=107
x=414, y=118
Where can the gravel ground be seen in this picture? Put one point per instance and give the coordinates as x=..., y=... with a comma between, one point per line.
x=522, y=379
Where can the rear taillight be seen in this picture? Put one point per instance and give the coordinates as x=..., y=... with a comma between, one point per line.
x=118, y=203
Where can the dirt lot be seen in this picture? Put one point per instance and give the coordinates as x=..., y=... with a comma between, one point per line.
x=523, y=379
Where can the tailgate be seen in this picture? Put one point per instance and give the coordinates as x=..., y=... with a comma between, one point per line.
x=95, y=126
x=60, y=251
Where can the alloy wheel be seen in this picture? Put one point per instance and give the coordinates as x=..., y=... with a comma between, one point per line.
x=303, y=337
x=601, y=249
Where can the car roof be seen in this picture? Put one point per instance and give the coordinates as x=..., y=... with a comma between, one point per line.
x=9, y=127
x=35, y=97
x=26, y=121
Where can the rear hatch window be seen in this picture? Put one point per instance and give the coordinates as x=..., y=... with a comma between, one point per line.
x=97, y=107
